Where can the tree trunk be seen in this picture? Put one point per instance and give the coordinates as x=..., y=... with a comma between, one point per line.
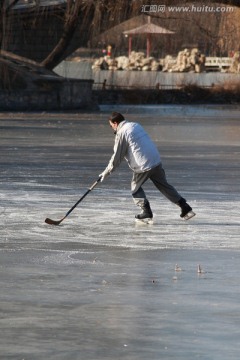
x=5, y=7
x=71, y=22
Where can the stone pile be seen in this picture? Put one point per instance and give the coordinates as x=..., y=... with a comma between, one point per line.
x=235, y=67
x=136, y=61
x=186, y=61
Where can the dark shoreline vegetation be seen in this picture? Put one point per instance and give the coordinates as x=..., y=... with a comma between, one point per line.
x=228, y=93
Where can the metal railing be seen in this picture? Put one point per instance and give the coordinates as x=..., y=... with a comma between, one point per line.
x=104, y=86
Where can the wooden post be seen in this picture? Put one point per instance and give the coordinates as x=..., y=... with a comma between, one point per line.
x=148, y=39
x=129, y=45
x=148, y=44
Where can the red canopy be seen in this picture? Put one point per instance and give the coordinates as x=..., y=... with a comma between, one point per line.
x=147, y=29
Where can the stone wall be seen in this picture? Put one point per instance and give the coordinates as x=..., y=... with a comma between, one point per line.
x=26, y=85
x=55, y=95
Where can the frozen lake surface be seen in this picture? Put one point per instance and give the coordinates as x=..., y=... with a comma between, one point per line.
x=99, y=286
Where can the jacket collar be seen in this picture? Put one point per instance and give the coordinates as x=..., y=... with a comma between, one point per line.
x=122, y=123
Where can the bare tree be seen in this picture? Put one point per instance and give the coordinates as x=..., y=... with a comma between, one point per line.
x=5, y=7
x=96, y=15
x=103, y=14
x=71, y=21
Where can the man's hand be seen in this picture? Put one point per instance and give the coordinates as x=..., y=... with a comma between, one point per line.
x=103, y=175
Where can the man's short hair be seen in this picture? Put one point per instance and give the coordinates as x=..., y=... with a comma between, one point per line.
x=116, y=117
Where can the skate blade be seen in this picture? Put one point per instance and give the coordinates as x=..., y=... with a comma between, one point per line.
x=189, y=215
x=147, y=221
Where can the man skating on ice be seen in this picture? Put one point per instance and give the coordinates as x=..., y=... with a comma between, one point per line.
x=134, y=145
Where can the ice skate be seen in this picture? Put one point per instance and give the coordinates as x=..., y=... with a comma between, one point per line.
x=145, y=221
x=187, y=212
x=146, y=215
x=189, y=215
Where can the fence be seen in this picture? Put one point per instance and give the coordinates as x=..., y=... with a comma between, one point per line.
x=105, y=86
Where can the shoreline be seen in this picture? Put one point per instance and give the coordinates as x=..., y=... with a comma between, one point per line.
x=186, y=96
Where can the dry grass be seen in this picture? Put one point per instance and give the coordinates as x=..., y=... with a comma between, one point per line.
x=227, y=92
x=227, y=87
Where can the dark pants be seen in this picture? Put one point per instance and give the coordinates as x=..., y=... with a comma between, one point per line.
x=158, y=177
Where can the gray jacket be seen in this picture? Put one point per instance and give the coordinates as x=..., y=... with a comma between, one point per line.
x=134, y=145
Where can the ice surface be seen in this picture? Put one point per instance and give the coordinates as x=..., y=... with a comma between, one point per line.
x=100, y=286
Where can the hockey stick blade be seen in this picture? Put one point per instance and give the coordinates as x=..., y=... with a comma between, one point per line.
x=57, y=222
x=53, y=222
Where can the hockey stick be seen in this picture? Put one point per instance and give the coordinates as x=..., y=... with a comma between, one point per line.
x=57, y=222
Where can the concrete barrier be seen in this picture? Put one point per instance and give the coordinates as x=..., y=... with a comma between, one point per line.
x=71, y=94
